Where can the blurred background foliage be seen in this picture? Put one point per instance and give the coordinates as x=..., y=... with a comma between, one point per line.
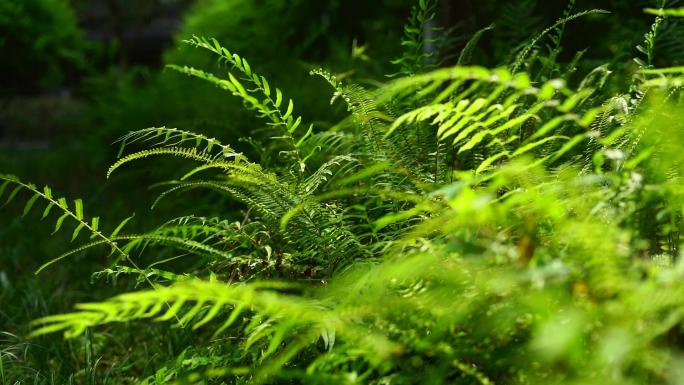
x=42, y=45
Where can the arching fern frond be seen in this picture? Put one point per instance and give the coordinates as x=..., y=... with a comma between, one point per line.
x=522, y=56
x=280, y=324
x=271, y=107
x=320, y=176
x=75, y=213
x=466, y=54
x=501, y=125
x=182, y=152
x=67, y=211
x=209, y=300
x=172, y=137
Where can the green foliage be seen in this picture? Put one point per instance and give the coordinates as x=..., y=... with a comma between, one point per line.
x=462, y=225
x=43, y=41
x=419, y=51
x=284, y=38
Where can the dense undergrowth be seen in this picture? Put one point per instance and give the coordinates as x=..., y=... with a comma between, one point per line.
x=461, y=224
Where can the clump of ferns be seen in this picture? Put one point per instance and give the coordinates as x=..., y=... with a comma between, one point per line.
x=271, y=195
x=504, y=122
x=418, y=282
x=420, y=244
x=268, y=194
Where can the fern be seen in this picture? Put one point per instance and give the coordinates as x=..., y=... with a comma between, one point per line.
x=468, y=123
x=188, y=153
x=648, y=47
x=75, y=212
x=269, y=108
x=527, y=48
x=171, y=137
x=457, y=218
x=466, y=54
x=418, y=55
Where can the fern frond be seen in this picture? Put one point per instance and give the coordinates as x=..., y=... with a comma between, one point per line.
x=76, y=213
x=276, y=317
x=527, y=48
x=418, y=54
x=149, y=273
x=466, y=54
x=205, y=296
x=501, y=125
x=271, y=107
x=196, y=247
x=648, y=47
x=321, y=175
x=182, y=152
x=172, y=137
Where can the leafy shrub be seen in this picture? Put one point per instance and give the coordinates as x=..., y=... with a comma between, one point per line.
x=461, y=225
x=43, y=41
